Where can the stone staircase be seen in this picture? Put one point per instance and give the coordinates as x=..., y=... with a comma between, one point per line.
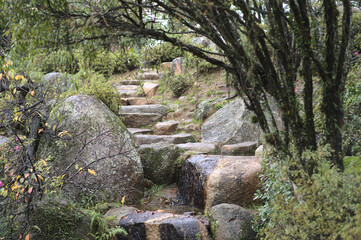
x=211, y=173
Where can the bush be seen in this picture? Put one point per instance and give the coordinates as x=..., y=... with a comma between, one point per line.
x=352, y=103
x=57, y=61
x=95, y=84
x=126, y=60
x=179, y=84
x=161, y=52
x=323, y=206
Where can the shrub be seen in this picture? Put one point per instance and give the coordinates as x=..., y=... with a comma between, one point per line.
x=160, y=52
x=352, y=103
x=179, y=84
x=323, y=206
x=95, y=84
x=56, y=61
x=126, y=59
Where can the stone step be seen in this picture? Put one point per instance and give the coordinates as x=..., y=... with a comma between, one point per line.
x=150, y=108
x=129, y=90
x=150, y=89
x=244, y=148
x=198, y=147
x=136, y=82
x=137, y=120
x=175, y=139
x=140, y=131
x=159, y=225
x=167, y=127
x=139, y=101
x=148, y=76
x=208, y=180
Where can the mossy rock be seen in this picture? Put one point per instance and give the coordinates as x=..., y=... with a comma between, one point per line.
x=89, y=136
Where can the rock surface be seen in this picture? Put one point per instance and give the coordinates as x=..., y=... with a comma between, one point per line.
x=231, y=222
x=118, y=213
x=155, y=225
x=231, y=124
x=148, y=76
x=166, y=127
x=3, y=140
x=175, y=139
x=204, y=110
x=91, y=137
x=150, y=89
x=62, y=81
x=210, y=180
x=139, y=101
x=159, y=162
x=151, y=108
x=178, y=66
x=245, y=148
x=198, y=147
x=137, y=120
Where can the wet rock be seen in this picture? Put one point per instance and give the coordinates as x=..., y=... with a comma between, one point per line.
x=118, y=213
x=154, y=225
x=150, y=89
x=245, y=148
x=159, y=162
x=151, y=108
x=166, y=127
x=204, y=110
x=231, y=222
x=175, y=139
x=137, y=120
x=231, y=124
x=210, y=180
x=97, y=139
x=178, y=66
x=198, y=147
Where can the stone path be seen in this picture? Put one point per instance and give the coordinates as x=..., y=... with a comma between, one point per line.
x=212, y=174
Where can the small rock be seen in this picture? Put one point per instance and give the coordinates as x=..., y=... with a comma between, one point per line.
x=259, y=151
x=182, y=98
x=150, y=89
x=165, y=127
x=191, y=128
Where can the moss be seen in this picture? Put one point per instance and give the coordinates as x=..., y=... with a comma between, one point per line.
x=58, y=220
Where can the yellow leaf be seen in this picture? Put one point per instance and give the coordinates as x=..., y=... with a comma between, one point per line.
x=1, y=75
x=32, y=93
x=46, y=124
x=44, y=162
x=91, y=171
x=18, y=77
x=40, y=130
x=41, y=177
x=27, y=237
x=123, y=200
x=14, y=91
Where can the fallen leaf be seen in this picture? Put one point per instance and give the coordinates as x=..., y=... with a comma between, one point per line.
x=91, y=171
x=123, y=200
x=30, y=190
x=27, y=237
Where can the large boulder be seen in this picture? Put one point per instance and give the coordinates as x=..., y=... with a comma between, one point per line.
x=231, y=222
x=159, y=162
x=61, y=82
x=92, y=138
x=178, y=66
x=231, y=124
x=156, y=225
x=208, y=180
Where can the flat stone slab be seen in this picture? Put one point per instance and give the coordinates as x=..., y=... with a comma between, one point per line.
x=158, y=225
x=208, y=180
x=148, y=76
x=198, y=147
x=245, y=148
x=150, y=89
x=140, y=131
x=137, y=120
x=166, y=127
x=175, y=139
x=136, y=82
x=128, y=90
x=151, y=108
x=139, y=101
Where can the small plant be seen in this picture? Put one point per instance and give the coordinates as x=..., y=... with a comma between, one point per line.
x=179, y=84
x=100, y=227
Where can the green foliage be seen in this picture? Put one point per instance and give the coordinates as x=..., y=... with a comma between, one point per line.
x=95, y=84
x=100, y=227
x=160, y=52
x=323, y=206
x=179, y=84
x=352, y=104
x=356, y=22
x=55, y=61
x=352, y=164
